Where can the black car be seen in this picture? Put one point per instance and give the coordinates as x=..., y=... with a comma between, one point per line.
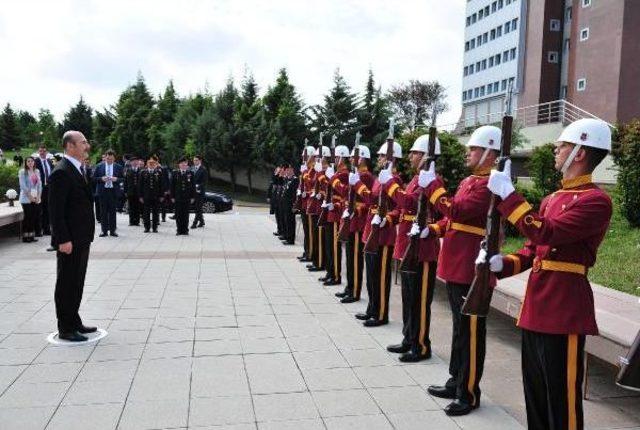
x=213, y=202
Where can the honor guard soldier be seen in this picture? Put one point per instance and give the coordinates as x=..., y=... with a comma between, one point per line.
x=562, y=243
x=463, y=228
x=355, y=219
x=131, y=188
x=150, y=190
x=306, y=170
x=417, y=288
x=182, y=195
x=288, y=200
x=314, y=208
x=337, y=179
x=378, y=260
x=200, y=177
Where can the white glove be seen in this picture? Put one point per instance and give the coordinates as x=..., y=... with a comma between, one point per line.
x=424, y=233
x=317, y=167
x=329, y=172
x=426, y=177
x=495, y=263
x=329, y=206
x=324, y=205
x=319, y=196
x=345, y=213
x=385, y=176
x=500, y=183
x=415, y=230
x=303, y=168
x=312, y=195
x=298, y=193
x=376, y=220
x=354, y=178
x=304, y=194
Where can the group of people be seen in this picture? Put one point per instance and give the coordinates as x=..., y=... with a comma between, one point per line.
x=562, y=238
x=282, y=197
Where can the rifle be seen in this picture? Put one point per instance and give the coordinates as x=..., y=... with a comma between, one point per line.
x=316, y=184
x=629, y=375
x=322, y=220
x=410, y=262
x=297, y=206
x=345, y=229
x=373, y=242
x=479, y=296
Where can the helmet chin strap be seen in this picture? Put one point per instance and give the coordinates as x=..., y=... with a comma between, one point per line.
x=570, y=158
x=483, y=157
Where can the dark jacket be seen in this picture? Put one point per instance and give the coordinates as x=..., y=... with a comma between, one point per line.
x=39, y=166
x=200, y=177
x=151, y=184
x=100, y=171
x=131, y=182
x=182, y=186
x=70, y=206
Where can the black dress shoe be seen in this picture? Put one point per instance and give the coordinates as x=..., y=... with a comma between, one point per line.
x=442, y=391
x=372, y=322
x=315, y=269
x=103, y=234
x=155, y=230
x=458, y=407
x=412, y=357
x=83, y=329
x=201, y=225
x=193, y=227
x=50, y=249
x=362, y=317
x=289, y=242
x=348, y=299
x=301, y=257
x=323, y=278
x=276, y=233
x=72, y=336
x=114, y=234
x=309, y=266
x=306, y=260
x=146, y=230
x=399, y=348
x=330, y=282
x=341, y=294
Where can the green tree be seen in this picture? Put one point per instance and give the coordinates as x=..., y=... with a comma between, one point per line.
x=181, y=130
x=79, y=118
x=414, y=103
x=103, y=125
x=248, y=122
x=373, y=115
x=626, y=155
x=221, y=144
x=131, y=132
x=541, y=167
x=161, y=116
x=29, y=130
x=48, y=129
x=10, y=133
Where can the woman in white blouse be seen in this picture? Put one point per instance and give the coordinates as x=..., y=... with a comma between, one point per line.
x=30, y=198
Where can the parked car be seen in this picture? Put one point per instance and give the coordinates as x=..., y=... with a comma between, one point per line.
x=213, y=202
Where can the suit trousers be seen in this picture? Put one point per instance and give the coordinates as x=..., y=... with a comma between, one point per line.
x=151, y=214
x=182, y=216
x=552, y=374
x=332, y=251
x=71, y=271
x=135, y=209
x=31, y=218
x=289, y=224
x=468, y=347
x=417, y=296
x=198, y=203
x=108, y=203
x=379, y=282
x=306, y=229
x=317, y=243
x=43, y=226
x=355, y=264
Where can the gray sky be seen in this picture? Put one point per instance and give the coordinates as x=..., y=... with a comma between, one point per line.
x=54, y=51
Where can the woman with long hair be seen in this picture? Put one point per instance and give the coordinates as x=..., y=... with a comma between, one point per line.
x=30, y=198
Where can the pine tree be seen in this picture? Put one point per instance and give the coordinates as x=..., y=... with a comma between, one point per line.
x=248, y=121
x=48, y=129
x=10, y=135
x=131, y=132
x=220, y=152
x=373, y=115
x=103, y=125
x=339, y=114
x=28, y=126
x=181, y=130
x=79, y=118
x=161, y=116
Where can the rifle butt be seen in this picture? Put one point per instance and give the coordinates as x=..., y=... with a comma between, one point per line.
x=409, y=263
x=372, y=245
x=478, y=300
x=345, y=228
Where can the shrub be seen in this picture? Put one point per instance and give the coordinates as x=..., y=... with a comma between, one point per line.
x=626, y=153
x=541, y=166
x=8, y=179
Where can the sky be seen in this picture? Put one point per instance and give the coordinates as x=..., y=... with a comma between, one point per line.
x=55, y=51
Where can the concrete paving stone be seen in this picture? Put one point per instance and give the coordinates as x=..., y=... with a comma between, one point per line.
x=217, y=311
x=217, y=347
x=257, y=321
x=136, y=313
x=364, y=422
x=158, y=414
x=8, y=374
x=265, y=346
x=273, y=373
x=251, y=426
x=27, y=395
x=160, y=388
x=320, y=359
x=116, y=352
x=403, y=399
x=284, y=407
x=120, y=325
x=58, y=372
x=310, y=424
x=221, y=411
x=175, y=323
x=20, y=341
x=161, y=334
x=125, y=337
x=97, y=392
x=167, y=350
x=253, y=310
x=26, y=418
x=363, y=341
x=217, y=333
x=290, y=309
x=213, y=322
x=260, y=332
x=488, y=418
x=331, y=379
x=108, y=370
x=76, y=417
x=383, y=376
x=219, y=376
x=370, y=357
x=311, y=343
x=426, y=373
x=345, y=403
x=421, y=420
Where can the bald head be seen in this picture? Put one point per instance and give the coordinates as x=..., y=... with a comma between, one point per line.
x=75, y=144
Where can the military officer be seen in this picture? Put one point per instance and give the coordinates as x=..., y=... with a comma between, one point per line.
x=562, y=243
x=463, y=228
x=200, y=177
x=289, y=189
x=150, y=190
x=182, y=195
x=314, y=208
x=306, y=170
x=131, y=187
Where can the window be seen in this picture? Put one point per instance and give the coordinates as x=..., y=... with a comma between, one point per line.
x=507, y=27
x=464, y=95
x=554, y=25
x=496, y=87
x=568, y=14
x=499, y=31
x=489, y=89
x=512, y=53
x=479, y=40
x=584, y=34
x=494, y=6
x=504, y=84
x=567, y=45
x=498, y=58
x=586, y=3
x=552, y=56
x=486, y=11
x=466, y=46
x=480, y=14
x=500, y=4
x=474, y=18
x=482, y=91
x=468, y=21
x=490, y=61
x=476, y=92
x=493, y=34
x=469, y=94
x=466, y=70
x=485, y=37
x=582, y=84
x=473, y=43
x=484, y=64
x=514, y=24
x=505, y=56
x=471, y=69
x=511, y=81
x=508, y=2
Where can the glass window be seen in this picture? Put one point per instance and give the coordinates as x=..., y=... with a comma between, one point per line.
x=464, y=95
x=485, y=37
x=480, y=14
x=473, y=43
x=474, y=18
x=496, y=87
x=512, y=53
x=471, y=69
x=489, y=89
x=486, y=11
x=477, y=66
x=476, y=92
x=465, y=71
x=494, y=6
x=504, y=84
x=584, y=34
x=511, y=81
x=514, y=24
x=466, y=46
x=505, y=56
x=484, y=64
x=552, y=56
x=482, y=91
x=500, y=4
x=493, y=34
x=498, y=58
x=478, y=40
x=568, y=14
x=507, y=27
x=490, y=61
x=499, y=31
x=582, y=84
x=554, y=25
x=586, y=3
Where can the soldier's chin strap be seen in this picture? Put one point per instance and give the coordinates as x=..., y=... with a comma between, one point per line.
x=484, y=156
x=570, y=158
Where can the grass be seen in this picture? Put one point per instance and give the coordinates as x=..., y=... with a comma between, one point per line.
x=617, y=262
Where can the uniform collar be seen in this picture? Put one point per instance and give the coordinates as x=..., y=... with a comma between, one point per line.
x=577, y=181
x=482, y=171
x=362, y=169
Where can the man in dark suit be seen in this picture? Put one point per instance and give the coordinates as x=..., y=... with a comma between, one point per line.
x=45, y=167
x=72, y=227
x=151, y=191
x=131, y=188
x=183, y=192
x=108, y=177
x=200, y=177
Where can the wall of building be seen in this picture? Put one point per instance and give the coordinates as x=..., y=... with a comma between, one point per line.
x=629, y=91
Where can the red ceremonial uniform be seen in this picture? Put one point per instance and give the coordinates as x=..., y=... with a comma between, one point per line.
x=309, y=179
x=563, y=240
x=370, y=196
x=407, y=202
x=315, y=200
x=359, y=218
x=338, y=183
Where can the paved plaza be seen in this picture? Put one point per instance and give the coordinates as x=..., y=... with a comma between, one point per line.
x=225, y=329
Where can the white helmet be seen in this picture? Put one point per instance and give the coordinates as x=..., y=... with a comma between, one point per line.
x=363, y=152
x=309, y=151
x=487, y=136
x=326, y=152
x=588, y=132
x=341, y=151
x=397, y=150
x=422, y=144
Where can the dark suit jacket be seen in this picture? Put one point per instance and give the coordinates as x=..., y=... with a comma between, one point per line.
x=100, y=171
x=70, y=206
x=200, y=177
x=41, y=169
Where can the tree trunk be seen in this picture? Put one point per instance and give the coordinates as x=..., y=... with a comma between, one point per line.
x=249, y=182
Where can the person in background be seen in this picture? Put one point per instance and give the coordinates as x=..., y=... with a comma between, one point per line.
x=131, y=189
x=45, y=166
x=30, y=198
x=108, y=176
x=183, y=191
x=96, y=200
x=200, y=178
